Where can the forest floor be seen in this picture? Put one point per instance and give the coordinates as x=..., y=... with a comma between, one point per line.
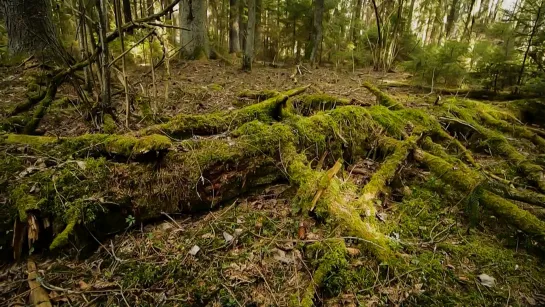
x=255, y=250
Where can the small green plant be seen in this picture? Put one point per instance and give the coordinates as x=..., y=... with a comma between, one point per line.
x=130, y=220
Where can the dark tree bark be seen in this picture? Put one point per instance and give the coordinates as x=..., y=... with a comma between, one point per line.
x=234, y=42
x=102, y=9
x=127, y=13
x=452, y=17
x=318, y=29
x=467, y=32
x=195, y=41
x=257, y=35
x=250, y=32
x=29, y=27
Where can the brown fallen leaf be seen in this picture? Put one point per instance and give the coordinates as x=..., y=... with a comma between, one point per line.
x=83, y=285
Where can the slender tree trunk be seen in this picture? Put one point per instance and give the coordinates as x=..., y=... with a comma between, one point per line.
x=127, y=13
x=380, y=44
x=452, y=18
x=249, y=48
x=257, y=35
x=119, y=23
x=530, y=39
x=102, y=9
x=243, y=25
x=29, y=27
x=82, y=41
x=317, y=30
x=234, y=41
x=356, y=21
x=467, y=33
x=409, y=25
x=195, y=41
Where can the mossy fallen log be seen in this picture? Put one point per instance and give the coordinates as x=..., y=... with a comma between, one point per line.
x=480, y=94
x=184, y=126
x=125, y=146
x=80, y=179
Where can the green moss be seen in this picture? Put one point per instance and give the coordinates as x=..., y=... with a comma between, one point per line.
x=215, y=87
x=462, y=179
x=124, y=145
x=109, y=125
x=381, y=178
x=511, y=213
x=62, y=238
x=260, y=95
x=331, y=265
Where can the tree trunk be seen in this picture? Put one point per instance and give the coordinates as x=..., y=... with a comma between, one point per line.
x=249, y=48
x=102, y=8
x=29, y=27
x=127, y=14
x=257, y=35
x=318, y=29
x=467, y=32
x=530, y=39
x=356, y=21
x=195, y=41
x=234, y=42
x=452, y=18
x=409, y=25
x=242, y=24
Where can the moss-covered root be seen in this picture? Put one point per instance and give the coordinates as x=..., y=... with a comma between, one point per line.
x=185, y=126
x=62, y=238
x=258, y=95
x=515, y=216
x=459, y=146
x=515, y=129
x=385, y=174
x=40, y=111
x=333, y=202
x=383, y=98
x=533, y=172
x=34, y=94
x=334, y=259
x=467, y=181
x=526, y=196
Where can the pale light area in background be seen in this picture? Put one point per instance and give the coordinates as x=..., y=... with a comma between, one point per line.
x=509, y=4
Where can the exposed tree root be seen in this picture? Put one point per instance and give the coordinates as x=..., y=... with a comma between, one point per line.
x=467, y=181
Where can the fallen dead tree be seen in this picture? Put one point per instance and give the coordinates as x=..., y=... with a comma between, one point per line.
x=69, y=183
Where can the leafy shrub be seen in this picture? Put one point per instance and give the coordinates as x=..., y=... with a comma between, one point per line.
x=435, y=64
